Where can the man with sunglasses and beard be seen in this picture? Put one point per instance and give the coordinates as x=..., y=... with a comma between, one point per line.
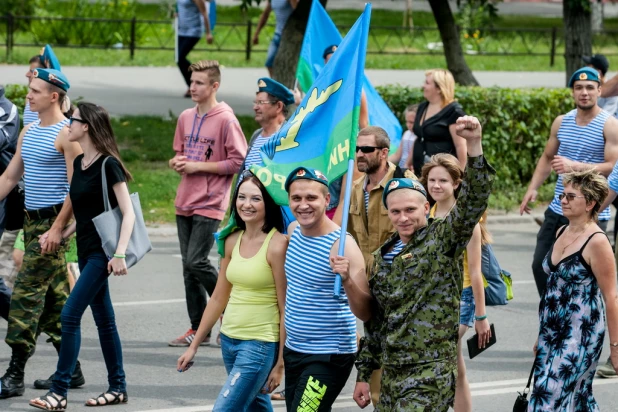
x=368, y=221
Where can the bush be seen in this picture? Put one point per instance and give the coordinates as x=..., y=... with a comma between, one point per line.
x=61, y=32
x=516, y=124
x=16, y=93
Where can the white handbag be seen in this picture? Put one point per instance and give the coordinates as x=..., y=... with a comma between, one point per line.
x=108, y=227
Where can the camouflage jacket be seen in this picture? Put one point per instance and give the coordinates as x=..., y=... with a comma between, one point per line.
x=416, y=298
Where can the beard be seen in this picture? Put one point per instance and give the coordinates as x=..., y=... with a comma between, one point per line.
x=370, y=166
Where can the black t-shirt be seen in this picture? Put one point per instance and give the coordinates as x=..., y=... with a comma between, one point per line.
x=433, y=136
x=87, y=198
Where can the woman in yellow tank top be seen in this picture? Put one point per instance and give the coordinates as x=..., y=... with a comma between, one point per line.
x=442, y=177
x=251, y=289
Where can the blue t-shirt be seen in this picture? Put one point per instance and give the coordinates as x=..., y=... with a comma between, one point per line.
x=190, y=20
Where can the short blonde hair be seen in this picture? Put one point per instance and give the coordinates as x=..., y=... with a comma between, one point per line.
x=593, y=186
x=445, y=82
x=211, y=67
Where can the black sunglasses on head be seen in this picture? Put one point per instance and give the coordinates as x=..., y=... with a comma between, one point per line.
x=368, y=149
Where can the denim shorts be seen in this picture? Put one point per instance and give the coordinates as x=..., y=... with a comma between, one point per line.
x=467, y=307
x=272, y=50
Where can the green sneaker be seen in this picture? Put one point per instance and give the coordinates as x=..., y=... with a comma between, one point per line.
x=607, y=370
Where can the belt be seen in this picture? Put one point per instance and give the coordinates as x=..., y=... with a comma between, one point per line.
x=44, y=212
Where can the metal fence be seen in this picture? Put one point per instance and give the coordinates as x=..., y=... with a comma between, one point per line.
x=134, y=35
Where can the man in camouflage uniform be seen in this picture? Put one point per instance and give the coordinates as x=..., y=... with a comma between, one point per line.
x=413, y=331
x=41, y=287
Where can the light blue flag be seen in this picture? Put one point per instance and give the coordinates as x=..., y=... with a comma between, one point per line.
x=322, y=132
x=212, y=14
x=321, y=33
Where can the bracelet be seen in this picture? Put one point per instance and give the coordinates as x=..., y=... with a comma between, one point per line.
x=480, y=317
x=119, y=256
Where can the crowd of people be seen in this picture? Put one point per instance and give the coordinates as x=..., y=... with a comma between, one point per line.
x=410, y=268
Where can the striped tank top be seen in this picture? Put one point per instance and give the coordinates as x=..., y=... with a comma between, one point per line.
x=315, y=322
x=45, y=175
x=581, y=144
x=29, y=115
x=254, y=157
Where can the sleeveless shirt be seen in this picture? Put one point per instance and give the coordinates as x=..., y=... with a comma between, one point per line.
x=252, y=313
x=581, y=144
x=45, y=168
x=315, y=322
x=29, y=115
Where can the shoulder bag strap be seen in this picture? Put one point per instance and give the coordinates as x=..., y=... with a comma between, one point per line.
x=527, y=389
x=106, y=203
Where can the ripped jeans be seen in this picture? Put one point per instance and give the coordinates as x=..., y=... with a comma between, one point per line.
x=248, y=364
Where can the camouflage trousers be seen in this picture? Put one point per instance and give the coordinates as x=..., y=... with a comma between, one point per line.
x=418, y=388
x=40, y=291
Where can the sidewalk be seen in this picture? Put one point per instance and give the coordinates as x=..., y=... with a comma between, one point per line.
x=158, y=90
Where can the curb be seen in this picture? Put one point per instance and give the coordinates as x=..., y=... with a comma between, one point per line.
x=169, y=230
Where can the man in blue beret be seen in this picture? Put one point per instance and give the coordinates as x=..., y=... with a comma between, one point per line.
x=321, y=344
x=271, y=109
x=46, y=59
x=415, y=282
x=585, y=137
x=41, y=287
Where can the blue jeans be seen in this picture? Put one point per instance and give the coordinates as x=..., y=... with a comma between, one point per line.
x=91, y=289
x=467, y=307
x=248, y=364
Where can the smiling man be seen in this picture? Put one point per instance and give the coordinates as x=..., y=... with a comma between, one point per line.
x=321, y=330
x=416, y=284
x=585, y=137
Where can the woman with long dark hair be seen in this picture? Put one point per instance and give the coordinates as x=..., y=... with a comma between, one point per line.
x=90, y=126
x=251, y=288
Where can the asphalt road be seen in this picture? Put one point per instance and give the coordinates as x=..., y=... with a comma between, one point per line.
x=158, y=90
x=150, y=310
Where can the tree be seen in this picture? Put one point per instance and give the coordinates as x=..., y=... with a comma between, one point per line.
x=286, y=60
x=577, y=33
x=449, y=33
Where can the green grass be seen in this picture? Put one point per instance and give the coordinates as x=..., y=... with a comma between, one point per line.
x=393, y=41
x=146, y=146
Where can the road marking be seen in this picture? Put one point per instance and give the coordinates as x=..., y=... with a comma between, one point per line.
x=523, y=282
x=498, y=383
x=520, y=388
x=340, y=403
x=149, y=302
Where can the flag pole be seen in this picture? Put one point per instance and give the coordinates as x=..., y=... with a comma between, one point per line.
x=360, y=72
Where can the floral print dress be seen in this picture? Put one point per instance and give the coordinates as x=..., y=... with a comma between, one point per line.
x=571, y=333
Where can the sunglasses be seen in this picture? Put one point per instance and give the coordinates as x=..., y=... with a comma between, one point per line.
x=368, y=149
x=263, y=102
x=75, y=119
x=569, y=196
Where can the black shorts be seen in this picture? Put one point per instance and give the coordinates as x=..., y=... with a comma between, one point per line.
x=313, y=382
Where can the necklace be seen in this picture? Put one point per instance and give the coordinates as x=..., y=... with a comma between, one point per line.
x=84, y=167
x=577, y=237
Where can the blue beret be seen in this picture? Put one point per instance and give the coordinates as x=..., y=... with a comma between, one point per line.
x=55, y=77
x=329, y=50
x=49, y=59
x=585, y=73
x=305, y=173
x=275, y=89
x=402, y=183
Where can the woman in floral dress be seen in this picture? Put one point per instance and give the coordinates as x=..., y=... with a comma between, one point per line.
x=572, y=313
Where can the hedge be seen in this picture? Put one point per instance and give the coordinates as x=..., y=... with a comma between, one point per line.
x=516, y=123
